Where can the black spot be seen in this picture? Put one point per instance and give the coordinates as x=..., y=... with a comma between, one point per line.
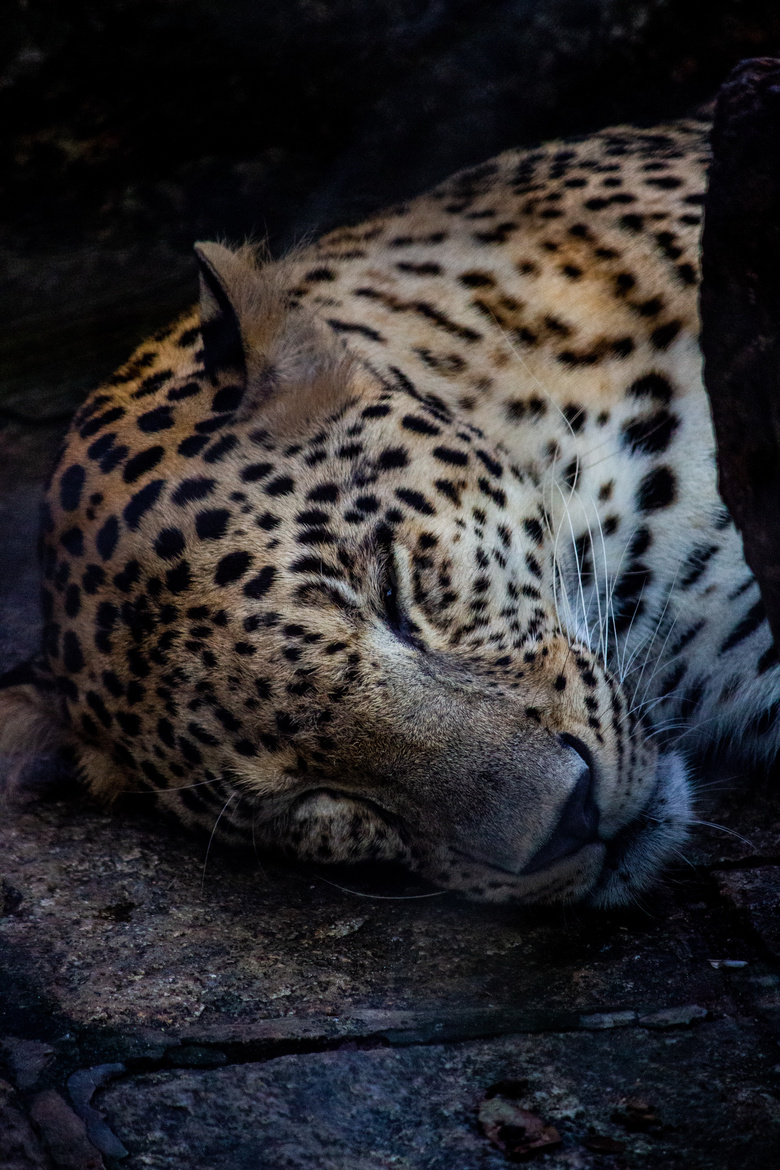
x=672, y=680
x=476, y=280
x=695, y=564
x=217, y=451
x=103, y=420
x=320, y=274
x=378, y=411
x=533, y=566
x=169, y=543
x=421, y=426
x=73, y=541
x=651, y=386
x=72, y=600
x=72, y=657
x=93, y=578
x=448, y=455
x=666, y=182
x=128, y=576
x=215, y=422
x=448, y=489
x=71, y=486
x=622, y=346
x=326, y=493
x=576, y=416
x=232, y=567
x=212, y=524
x=141, y=502
x=658, y=489
x=159, y=419
x=317, y=536
x=640, y=542
x=650, y=434
x=691, y=698
x=534, y=530
x=491, y=464
x=245, y=747
x=750, y=622
x=423, y=269
x=255, y=471
x=107, y=614
x=187, y=391
x=283, y=485
x=368, y=504
x=649, y=308
x=192, y=445
x=686, y=273
x=314, y=565
x=391, y=458
x=112, y=684
x=664, y=335
x=228, y=398
x=130, y=723
x=632, y=223
x=259, y=585
x=113, y=458
x=152, y=383
x=193, y=489
x=353, y=327
x=141, y=463
x=496, y=235
x=415, y=500
x=767, y=660
x=268, y=521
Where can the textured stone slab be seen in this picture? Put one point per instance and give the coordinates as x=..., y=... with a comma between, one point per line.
x=741, y=814
x=119, y=922
x=19, y=1147
x=692, y=1100
x=755, y=893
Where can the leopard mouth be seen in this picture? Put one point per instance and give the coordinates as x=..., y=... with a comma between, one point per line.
x=638, y=852
x=605, y=873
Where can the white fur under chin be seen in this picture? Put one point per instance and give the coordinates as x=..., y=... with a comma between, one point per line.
x=667, y=817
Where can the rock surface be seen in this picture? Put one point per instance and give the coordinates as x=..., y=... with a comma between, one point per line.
x=417, y=1107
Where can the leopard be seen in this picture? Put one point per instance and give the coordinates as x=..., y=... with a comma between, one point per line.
x=407, y=547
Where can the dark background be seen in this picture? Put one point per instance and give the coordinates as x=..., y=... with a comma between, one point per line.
x=131, y=128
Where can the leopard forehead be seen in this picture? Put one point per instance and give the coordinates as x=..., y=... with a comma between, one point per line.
x=337, y=510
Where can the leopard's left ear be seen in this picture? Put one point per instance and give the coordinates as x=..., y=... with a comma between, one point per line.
x=223, y=347
x=292, y=366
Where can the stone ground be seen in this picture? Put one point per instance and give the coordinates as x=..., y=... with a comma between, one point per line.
x=169, y=1006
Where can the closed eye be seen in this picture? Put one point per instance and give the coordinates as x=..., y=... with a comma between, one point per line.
x=391, y=606
x=391, y=596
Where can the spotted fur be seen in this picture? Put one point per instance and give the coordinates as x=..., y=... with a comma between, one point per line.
x=410, y=546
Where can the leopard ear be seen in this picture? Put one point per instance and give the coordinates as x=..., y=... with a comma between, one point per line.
x=292, y=367
x=223, y=348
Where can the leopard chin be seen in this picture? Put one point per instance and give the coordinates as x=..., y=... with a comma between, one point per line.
x=639, y=852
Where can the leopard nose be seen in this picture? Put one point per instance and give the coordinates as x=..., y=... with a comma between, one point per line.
x=579, y=820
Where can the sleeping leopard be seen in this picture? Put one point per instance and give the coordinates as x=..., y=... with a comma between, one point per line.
x=408, y=547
